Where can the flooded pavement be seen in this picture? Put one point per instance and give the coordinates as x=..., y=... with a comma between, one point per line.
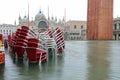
x=83, y=60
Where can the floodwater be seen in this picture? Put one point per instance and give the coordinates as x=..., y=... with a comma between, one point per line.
x=83, y=60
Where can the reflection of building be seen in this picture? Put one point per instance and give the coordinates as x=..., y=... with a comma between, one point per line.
x=7, y=29
x=100, y=19
x=77, y=30
x=116, y=29
x=98, y=60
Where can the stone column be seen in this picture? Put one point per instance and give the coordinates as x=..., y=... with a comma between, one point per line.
x=117, y=36
x=117, y=26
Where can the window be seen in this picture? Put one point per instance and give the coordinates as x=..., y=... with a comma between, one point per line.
x=119, y=25
x=75, y=26
x=115, y=26
x=81, y=26
x=42, y=24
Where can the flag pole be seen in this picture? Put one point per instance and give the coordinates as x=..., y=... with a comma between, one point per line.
x=28, y=14
x=48, y=19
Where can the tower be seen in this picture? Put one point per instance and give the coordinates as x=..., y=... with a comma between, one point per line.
x=100, y=20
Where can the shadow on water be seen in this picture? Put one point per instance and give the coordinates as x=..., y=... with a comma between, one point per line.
x=98, y=60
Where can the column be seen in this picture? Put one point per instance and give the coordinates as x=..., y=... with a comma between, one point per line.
x=117, y=36
x=117, y=26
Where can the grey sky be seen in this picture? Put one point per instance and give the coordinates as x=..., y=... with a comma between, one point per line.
x=75, y=9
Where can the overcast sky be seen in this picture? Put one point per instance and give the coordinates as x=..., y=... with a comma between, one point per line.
x=75, y=9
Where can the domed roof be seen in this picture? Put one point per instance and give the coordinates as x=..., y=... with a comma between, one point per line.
x=39, y=15
x=25, y=19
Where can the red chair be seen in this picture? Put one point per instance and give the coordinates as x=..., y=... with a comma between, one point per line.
x=33, y=40
x=19, y=48
x=23, y=33
x=49, y=32
x=59, y=38
x=19, y=51
x=9, y=40
x=18, y=44
x=25, y=27
x=35, y=55
x=32, y=44
x=22, y=37
x=1, y=37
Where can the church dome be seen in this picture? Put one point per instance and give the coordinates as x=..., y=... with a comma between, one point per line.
x=39, y=16
x=25, y=19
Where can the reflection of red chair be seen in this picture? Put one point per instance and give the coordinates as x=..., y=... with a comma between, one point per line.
x=35, y=55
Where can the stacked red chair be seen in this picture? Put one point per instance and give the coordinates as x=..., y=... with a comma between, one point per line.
x=11, y=42
x=2, y=54
x=49, y=33
x=59, y=38
x=1, y=37
x=18, y=41
x=34, y=52
x=21, y=42
x=36, y=44
x=2, y=57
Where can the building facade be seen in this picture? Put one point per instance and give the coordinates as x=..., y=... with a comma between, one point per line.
x=41, y=22
x=100, y=20
x=73, y=30
x=116, y=29
x=7, y=29
x=76, y=30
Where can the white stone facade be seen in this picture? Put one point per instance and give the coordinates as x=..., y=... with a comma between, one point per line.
x=116, y=29
x=77, y=30
x=7, y=29
x=40, y=22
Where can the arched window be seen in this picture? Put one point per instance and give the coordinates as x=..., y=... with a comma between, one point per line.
x=74, y=38
x=75, y=26
x=42, y=24
x=115, y=26
x=119, y=25
x=81, y=26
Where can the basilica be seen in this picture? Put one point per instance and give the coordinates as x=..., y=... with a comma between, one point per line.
x=40, y=22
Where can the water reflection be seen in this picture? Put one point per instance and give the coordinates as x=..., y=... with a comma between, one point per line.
x=53, y=69
x=83, y=60
x=2, y=66
x=98, y=54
